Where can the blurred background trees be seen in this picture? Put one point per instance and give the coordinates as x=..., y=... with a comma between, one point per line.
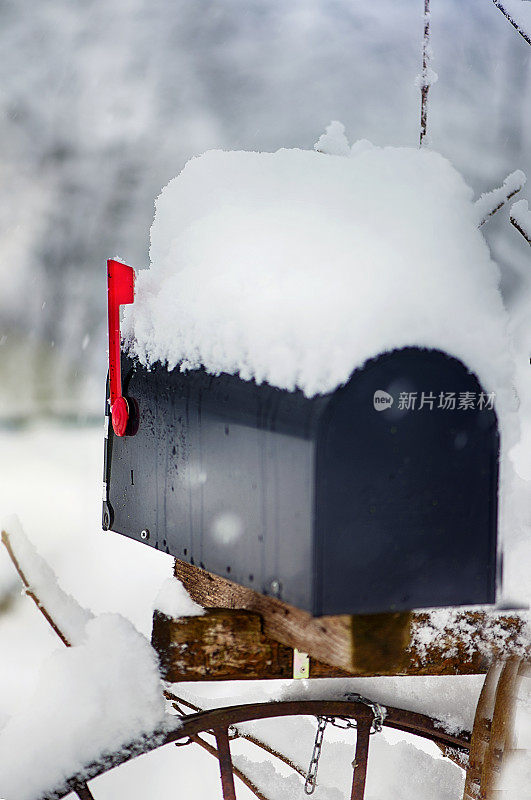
x=103, y=101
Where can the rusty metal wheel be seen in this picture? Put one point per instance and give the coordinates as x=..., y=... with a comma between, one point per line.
x=354, y=711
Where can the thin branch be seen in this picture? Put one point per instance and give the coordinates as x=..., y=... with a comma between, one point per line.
x=516, y=25
x=520, y=217
x=30, y=592
x=425, y=81
x=176, y=699
x=490, y=202
x=520, y=230
x=249, y=737
x=276, y=753
x=83, y=792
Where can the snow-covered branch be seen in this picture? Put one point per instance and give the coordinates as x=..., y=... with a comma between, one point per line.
x=515, y=15
x=491, y=202
x=521, y=218
x=62, y=612
x=96, y=697
x=427, y=77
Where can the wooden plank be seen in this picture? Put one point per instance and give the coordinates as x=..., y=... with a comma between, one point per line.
x=224, y=644
x=372, y=644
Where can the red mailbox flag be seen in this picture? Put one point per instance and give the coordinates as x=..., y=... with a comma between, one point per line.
x=120, y=291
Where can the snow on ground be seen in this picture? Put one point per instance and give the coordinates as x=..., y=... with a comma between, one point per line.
x=52, y=479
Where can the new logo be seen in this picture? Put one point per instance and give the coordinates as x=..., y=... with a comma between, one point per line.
x=382, y=400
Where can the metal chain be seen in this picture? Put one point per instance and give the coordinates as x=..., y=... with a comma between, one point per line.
x=311, y=776
x=347, y=723
x=379, y=712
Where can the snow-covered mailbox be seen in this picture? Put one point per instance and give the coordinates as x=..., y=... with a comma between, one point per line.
x=313, y=367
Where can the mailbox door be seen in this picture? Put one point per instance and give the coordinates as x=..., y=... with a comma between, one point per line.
x=406, y=489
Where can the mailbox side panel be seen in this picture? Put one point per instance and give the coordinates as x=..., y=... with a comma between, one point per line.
x=221, y=474
x=406, y=498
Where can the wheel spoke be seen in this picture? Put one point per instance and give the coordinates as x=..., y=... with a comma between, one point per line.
x=225, y=763
x=360, y=761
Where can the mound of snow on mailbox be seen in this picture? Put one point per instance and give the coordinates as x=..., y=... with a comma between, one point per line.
x=295, y=267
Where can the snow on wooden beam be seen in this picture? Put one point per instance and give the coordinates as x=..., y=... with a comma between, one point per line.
x=442, y=642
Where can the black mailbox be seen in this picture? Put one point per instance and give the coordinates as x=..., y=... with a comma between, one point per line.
x=380, y=496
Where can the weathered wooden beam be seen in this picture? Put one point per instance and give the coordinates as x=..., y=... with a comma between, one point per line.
x=224, y=644
x=423, y=643
x=374, y=644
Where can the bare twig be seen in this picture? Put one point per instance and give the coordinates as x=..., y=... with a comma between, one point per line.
x=519, y=213
x=83, y=792
x=491, y=202
x=247, y=736
x=516, y=25
x=425, y=82
x=31, y=593
x=520, y=230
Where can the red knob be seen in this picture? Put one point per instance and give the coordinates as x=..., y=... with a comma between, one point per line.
x=120, y=416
